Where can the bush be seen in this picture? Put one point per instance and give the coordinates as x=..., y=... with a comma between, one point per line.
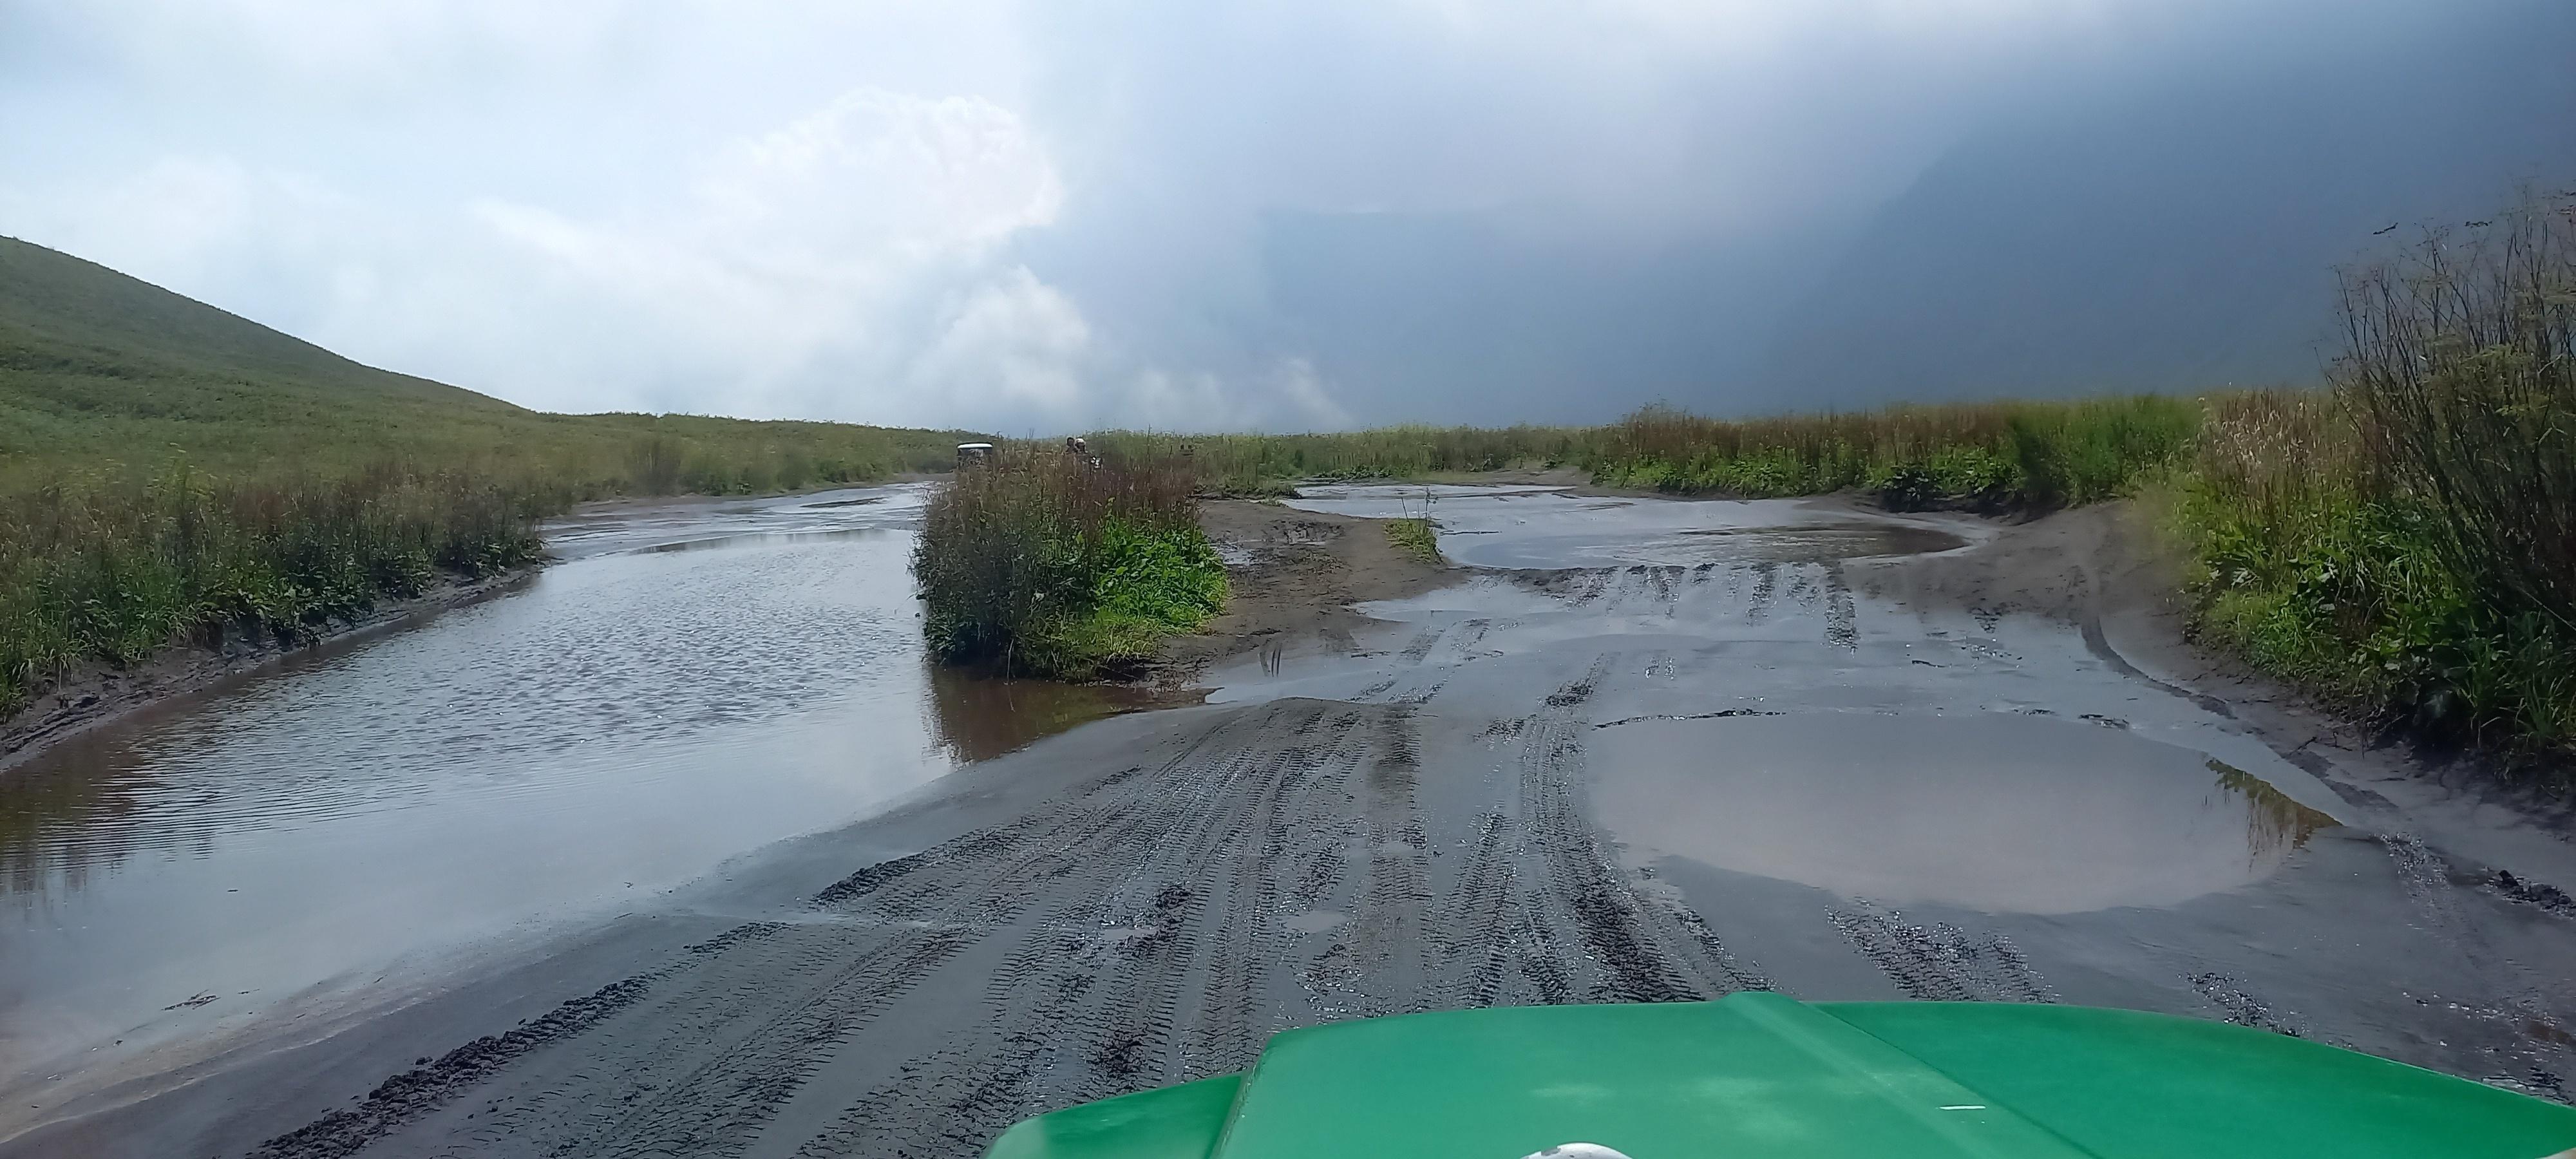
x=1415, y=536
x=1057, y=565
x=2407, y=543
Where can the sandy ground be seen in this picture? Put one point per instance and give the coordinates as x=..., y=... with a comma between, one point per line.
x=1452, y=801
x=1294, y=574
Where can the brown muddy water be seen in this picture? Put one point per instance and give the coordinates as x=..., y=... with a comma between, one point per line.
x=694, y=680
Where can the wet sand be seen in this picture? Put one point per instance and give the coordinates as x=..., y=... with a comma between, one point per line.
x=1621, y=762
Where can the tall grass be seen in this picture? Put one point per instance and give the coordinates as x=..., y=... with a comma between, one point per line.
x=116, y=570
x=1259, y=464
x=103, y=560
x=2024, y=454
x=2407, y=542
x=1051, y=564
x=1989, y=454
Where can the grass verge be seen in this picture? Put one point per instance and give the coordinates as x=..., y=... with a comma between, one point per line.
x=116, y=571
x=2405, y=544
x=1048, y=564
x=1988, y=456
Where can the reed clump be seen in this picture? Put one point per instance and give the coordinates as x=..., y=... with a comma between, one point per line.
x=1048, y=563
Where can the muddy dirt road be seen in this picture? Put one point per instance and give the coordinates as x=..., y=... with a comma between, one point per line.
x=1652, y=751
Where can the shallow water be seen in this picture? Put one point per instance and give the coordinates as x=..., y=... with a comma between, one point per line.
x=2002, y=813
x=1763, y=710
x=622, y=723
x=1554, y=528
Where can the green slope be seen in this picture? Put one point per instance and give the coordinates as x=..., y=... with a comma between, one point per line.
x=169, y=472
x=99, y=370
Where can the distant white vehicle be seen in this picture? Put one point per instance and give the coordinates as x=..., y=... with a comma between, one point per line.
x=974, y=453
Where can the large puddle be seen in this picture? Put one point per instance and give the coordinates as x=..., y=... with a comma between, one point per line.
x=1554, y=528
x=2000, y=813
x=627, y=720
x=1757, y=706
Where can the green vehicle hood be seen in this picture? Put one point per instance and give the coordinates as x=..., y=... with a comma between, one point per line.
x=1760, y=1076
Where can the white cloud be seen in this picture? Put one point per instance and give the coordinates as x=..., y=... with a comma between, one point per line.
x=1011, y=345
x=796, y=268
x=849, y=264
x=1288, y=395
x=854, y=263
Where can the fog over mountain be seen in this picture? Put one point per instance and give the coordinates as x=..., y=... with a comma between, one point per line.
x=1034, y=217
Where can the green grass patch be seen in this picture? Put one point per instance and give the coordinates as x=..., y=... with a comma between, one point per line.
x=1047, y=564
x=1416, y=537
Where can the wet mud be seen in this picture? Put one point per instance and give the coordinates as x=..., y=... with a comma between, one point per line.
x=1632, y=775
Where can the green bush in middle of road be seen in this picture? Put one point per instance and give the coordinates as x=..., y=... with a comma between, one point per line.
x=1049, y=564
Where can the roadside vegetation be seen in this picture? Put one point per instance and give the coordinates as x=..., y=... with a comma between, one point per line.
x=1044, y=563
x=2405, y=543
x=170, y=472
x=117, y=571
x=1416, y=536
x=1267, y=465
x=1991, y=456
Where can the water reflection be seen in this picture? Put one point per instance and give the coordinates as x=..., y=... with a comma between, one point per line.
x=976, y=718
x=1544, y=528
x=2275, y=824
x=1996, y=812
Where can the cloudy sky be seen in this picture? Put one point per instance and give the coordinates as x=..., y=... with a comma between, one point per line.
x=1009, y=216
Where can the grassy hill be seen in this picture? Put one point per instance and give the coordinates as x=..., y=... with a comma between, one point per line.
x=103, y=372
x=169, y=471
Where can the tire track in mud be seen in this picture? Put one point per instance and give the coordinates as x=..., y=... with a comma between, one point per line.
x=1766, y=585
x=692, y=1055
x=1153, y=924
x=2531, y=1035
x=1587, y=933
x=2240, y=1006
x=1842, y=613
x=1940, y=961
x=1387, y=939
x=775, y=1017
x=1181, y=993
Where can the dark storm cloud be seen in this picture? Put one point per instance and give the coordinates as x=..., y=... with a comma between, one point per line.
x=1183, y=215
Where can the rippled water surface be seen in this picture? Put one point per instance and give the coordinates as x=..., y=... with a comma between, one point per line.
x=629, y=718
x=1554, y=528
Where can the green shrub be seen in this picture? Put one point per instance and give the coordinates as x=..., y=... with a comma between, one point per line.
x=1046, y=564
x=2407, y=543
x=1416, y=537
